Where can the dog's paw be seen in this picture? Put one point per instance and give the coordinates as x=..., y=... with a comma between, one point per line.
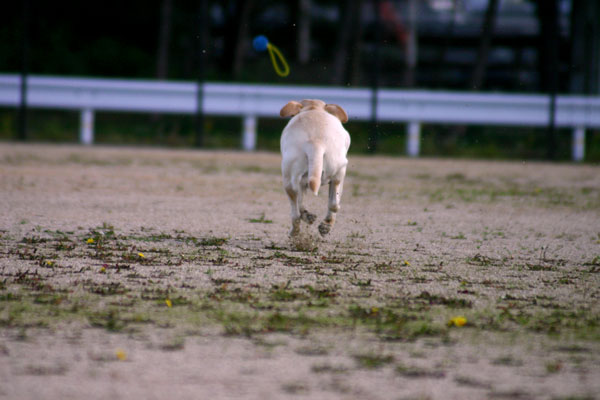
x=295, y=231
x=324, y=228
x=308, y=217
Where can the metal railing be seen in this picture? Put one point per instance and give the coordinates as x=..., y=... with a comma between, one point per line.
x=252, y=101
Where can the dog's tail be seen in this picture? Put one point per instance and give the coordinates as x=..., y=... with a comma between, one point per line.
x=315, y=166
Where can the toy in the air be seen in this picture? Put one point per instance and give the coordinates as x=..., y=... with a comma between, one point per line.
x=261, y=43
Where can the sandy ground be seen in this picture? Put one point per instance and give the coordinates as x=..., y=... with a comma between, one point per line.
x=144, y=273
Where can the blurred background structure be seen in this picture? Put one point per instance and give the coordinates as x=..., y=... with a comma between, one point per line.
x=510, y=46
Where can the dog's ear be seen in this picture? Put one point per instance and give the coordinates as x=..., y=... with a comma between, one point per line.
x=337, y=111
x=290, y=109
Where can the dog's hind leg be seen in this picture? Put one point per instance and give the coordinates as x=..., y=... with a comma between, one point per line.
x=293, y=195
x=306, y=216
x=292, y=183
x=333, y=206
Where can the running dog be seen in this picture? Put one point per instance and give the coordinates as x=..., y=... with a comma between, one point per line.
x=314, y=145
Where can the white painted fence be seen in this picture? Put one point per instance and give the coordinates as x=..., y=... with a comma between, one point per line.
x=252, y=101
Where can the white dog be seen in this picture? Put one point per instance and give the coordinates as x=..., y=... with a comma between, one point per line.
x=313, y=146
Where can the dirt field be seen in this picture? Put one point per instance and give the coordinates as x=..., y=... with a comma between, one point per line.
x=158, y=274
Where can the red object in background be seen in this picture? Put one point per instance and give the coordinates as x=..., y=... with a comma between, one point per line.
x=389, y=17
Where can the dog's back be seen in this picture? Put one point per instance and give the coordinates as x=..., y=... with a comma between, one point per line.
x=314, y=143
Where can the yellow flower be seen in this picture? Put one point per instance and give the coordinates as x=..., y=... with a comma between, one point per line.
x=49, y=263
x=141, y=255
x=457, y=321
x=90, y=241
x=102, y=270
x=168, y=302
x=406, y=263
x=121, y=355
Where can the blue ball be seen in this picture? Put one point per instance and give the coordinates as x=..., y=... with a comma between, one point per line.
x=260, y=43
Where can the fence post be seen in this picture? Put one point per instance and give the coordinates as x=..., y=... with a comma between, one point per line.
x=249, y=133
x=86, y=128
x=578, y=144
x=413, y=140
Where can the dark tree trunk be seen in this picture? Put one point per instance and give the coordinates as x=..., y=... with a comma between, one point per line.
x=411, y=45
x=585, y=52
x=375, y=71
x=548, y=63
x=447, y=41
x=22, y=113
x=357, y=45
x=547, y=11
x=242, y=37
x=234, y=46
x=489, y=21
x=341, y=56
x=303, y=31
x=164, y=37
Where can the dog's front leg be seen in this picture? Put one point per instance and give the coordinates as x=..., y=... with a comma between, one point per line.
x=333, y=206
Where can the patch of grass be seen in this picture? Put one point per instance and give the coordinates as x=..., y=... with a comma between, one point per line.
x=34, y=240
x=331, y=259
x=373, y=361
x=417, y=329
x=508, y=361
x=10, y=297
x=422, y=176
x=323, y=293
x=261, y=220
x=49, y=298
x=395, y=325
x=574, y=348
x=356, y=235
x=481, y=260
x=583, y=324
x=106, y=288
x=76, y=158
x=312, y=350
x=213, y=241
x=46, y=370
x=593, y=262
x=329, y=368
x=295, y=388
x=292, y=260
x=540, y=267
x=283, y=294
x=432, y=299
x=258, y=169
x=109, y=320
x=174, y=344
x=384, y=267
x=361, y=283
x=552, y=367
x=472, y=382
x=416, y=372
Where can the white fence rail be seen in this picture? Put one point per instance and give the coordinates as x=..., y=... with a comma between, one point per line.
x=253, y=101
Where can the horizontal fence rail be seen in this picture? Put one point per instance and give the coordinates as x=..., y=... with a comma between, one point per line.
x=252, y=101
